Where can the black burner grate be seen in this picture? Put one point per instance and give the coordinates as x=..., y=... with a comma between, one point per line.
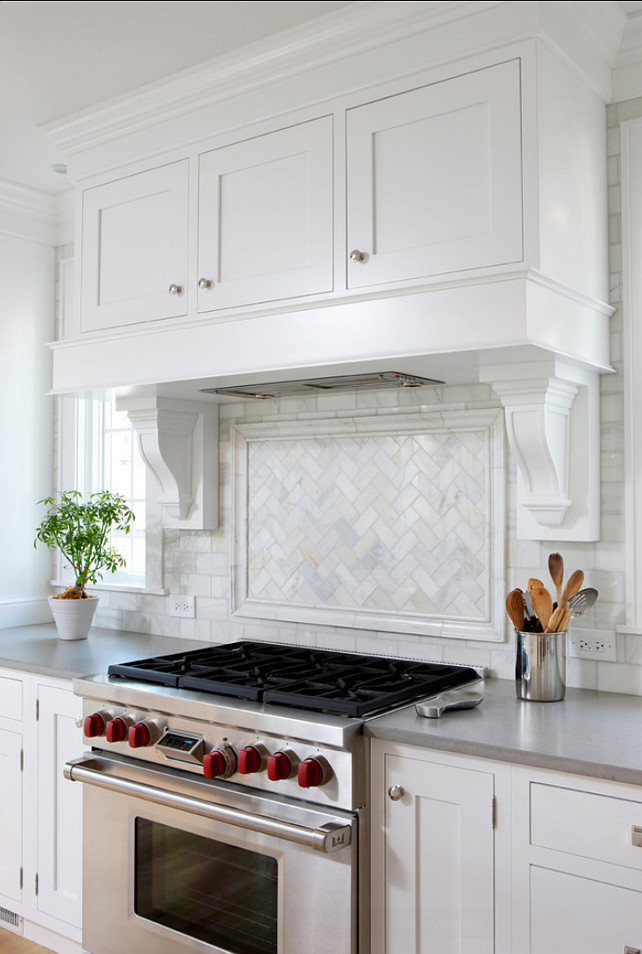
x=318, y=680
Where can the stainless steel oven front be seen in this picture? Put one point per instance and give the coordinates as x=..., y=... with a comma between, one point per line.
x=174, y=863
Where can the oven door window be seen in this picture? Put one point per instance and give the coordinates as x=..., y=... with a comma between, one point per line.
x=220, y=894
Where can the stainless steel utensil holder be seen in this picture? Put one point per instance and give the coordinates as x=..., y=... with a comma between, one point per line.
x=540, y=666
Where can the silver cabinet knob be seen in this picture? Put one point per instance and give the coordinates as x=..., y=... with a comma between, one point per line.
x=395, y=792
x=357, y=256
x=632, y=950
x=204, y=283
x=175, y=289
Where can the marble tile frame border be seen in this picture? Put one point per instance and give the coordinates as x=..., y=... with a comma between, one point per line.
x=381, y=424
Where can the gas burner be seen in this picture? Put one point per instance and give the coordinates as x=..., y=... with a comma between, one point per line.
x=308, y=679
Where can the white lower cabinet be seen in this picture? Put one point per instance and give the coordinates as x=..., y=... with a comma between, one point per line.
x=577, y=865
x=10, y=815
x=40, y=811
x=560, y=872
x=434, y=852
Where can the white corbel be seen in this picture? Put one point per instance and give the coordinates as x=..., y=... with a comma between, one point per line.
x=178, y=441
x=552, y=423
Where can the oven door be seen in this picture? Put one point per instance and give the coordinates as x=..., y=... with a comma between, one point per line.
x=174, y=864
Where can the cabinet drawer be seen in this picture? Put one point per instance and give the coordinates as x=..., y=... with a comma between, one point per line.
x=11, y=698
x=599, y=827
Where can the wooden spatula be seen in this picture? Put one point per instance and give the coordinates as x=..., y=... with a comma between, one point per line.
x=542, y=604
x=515, y=609
x=556, y=569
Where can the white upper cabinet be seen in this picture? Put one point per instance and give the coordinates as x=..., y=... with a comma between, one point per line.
x=435, y=179
x=265, y=218
x=134, y=248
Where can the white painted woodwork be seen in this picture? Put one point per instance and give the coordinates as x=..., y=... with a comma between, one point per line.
x=178, y=441
x=433, y=876
x=573, y=914
x=586, y=824
x=11, y=698
x=577, y=877
x=550, y=411
x=134, y=247
x=11, y=848
x=435, y=178
x=463, y=154
x=265, y=217
x=631, y=350
x=59, y=806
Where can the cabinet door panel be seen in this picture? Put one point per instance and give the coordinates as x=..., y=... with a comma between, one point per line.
x=265, y=217
x=569, y=913
x=59, y=806
x=10, y=815
x=438, y=859
x=134, y=247
x=11, y=692
x=434, y=178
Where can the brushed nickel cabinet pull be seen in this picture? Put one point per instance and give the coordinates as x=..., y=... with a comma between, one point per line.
x=395, y=792
x=636, y=836
x=632, y=950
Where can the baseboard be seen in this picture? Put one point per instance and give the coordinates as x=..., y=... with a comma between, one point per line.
x=50, y=939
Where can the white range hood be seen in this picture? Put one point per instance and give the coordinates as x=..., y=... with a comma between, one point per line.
x=531, y=320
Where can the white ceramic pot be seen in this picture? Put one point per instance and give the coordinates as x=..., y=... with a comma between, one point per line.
x=73, y=618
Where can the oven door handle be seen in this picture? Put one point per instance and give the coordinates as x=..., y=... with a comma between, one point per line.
x=327, y=838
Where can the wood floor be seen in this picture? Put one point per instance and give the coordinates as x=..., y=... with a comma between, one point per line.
x=11, y=943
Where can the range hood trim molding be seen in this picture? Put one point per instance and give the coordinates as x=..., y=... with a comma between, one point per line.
x=552, y=410
x=178, y=441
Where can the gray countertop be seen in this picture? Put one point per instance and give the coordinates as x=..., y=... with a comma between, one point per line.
x=37, y=649
x=588, y=733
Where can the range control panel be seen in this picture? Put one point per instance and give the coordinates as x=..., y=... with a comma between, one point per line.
x=258, y=760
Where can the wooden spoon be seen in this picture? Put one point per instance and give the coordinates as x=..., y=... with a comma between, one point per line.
x=533, y=583
x=515, y=609
x=542, y=604
x=573, y=584
x=556, y=569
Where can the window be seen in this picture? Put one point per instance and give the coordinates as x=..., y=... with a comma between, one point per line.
x=108, y=454
x=98, y=450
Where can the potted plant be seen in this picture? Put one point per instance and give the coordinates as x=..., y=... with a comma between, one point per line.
x=81, y=531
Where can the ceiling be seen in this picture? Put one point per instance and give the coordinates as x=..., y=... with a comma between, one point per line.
x=57, y=58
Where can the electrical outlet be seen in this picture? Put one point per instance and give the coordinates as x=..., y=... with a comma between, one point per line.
x=182, y=606
x=600, y=646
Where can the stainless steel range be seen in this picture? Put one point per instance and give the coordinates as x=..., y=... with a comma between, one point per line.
x=226, y=797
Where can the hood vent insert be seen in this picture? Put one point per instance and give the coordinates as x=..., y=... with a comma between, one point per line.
x=348, y=382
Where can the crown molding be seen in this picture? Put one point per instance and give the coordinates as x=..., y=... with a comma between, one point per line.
x=42, y=217
x=587, y=33
x=361, y=26
x=627, y=72
x=27, y=213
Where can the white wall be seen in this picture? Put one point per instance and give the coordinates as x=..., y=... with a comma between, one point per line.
x=27, y=293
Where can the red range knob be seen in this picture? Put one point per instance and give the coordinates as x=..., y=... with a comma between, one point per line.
x=94, y=725
x=250, y=760
x=214, y=764
x=139, y=735
x=310, y=773
x=116, y=730
x=279, y=766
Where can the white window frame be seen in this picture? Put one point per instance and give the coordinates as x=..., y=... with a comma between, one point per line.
x=77, y=461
